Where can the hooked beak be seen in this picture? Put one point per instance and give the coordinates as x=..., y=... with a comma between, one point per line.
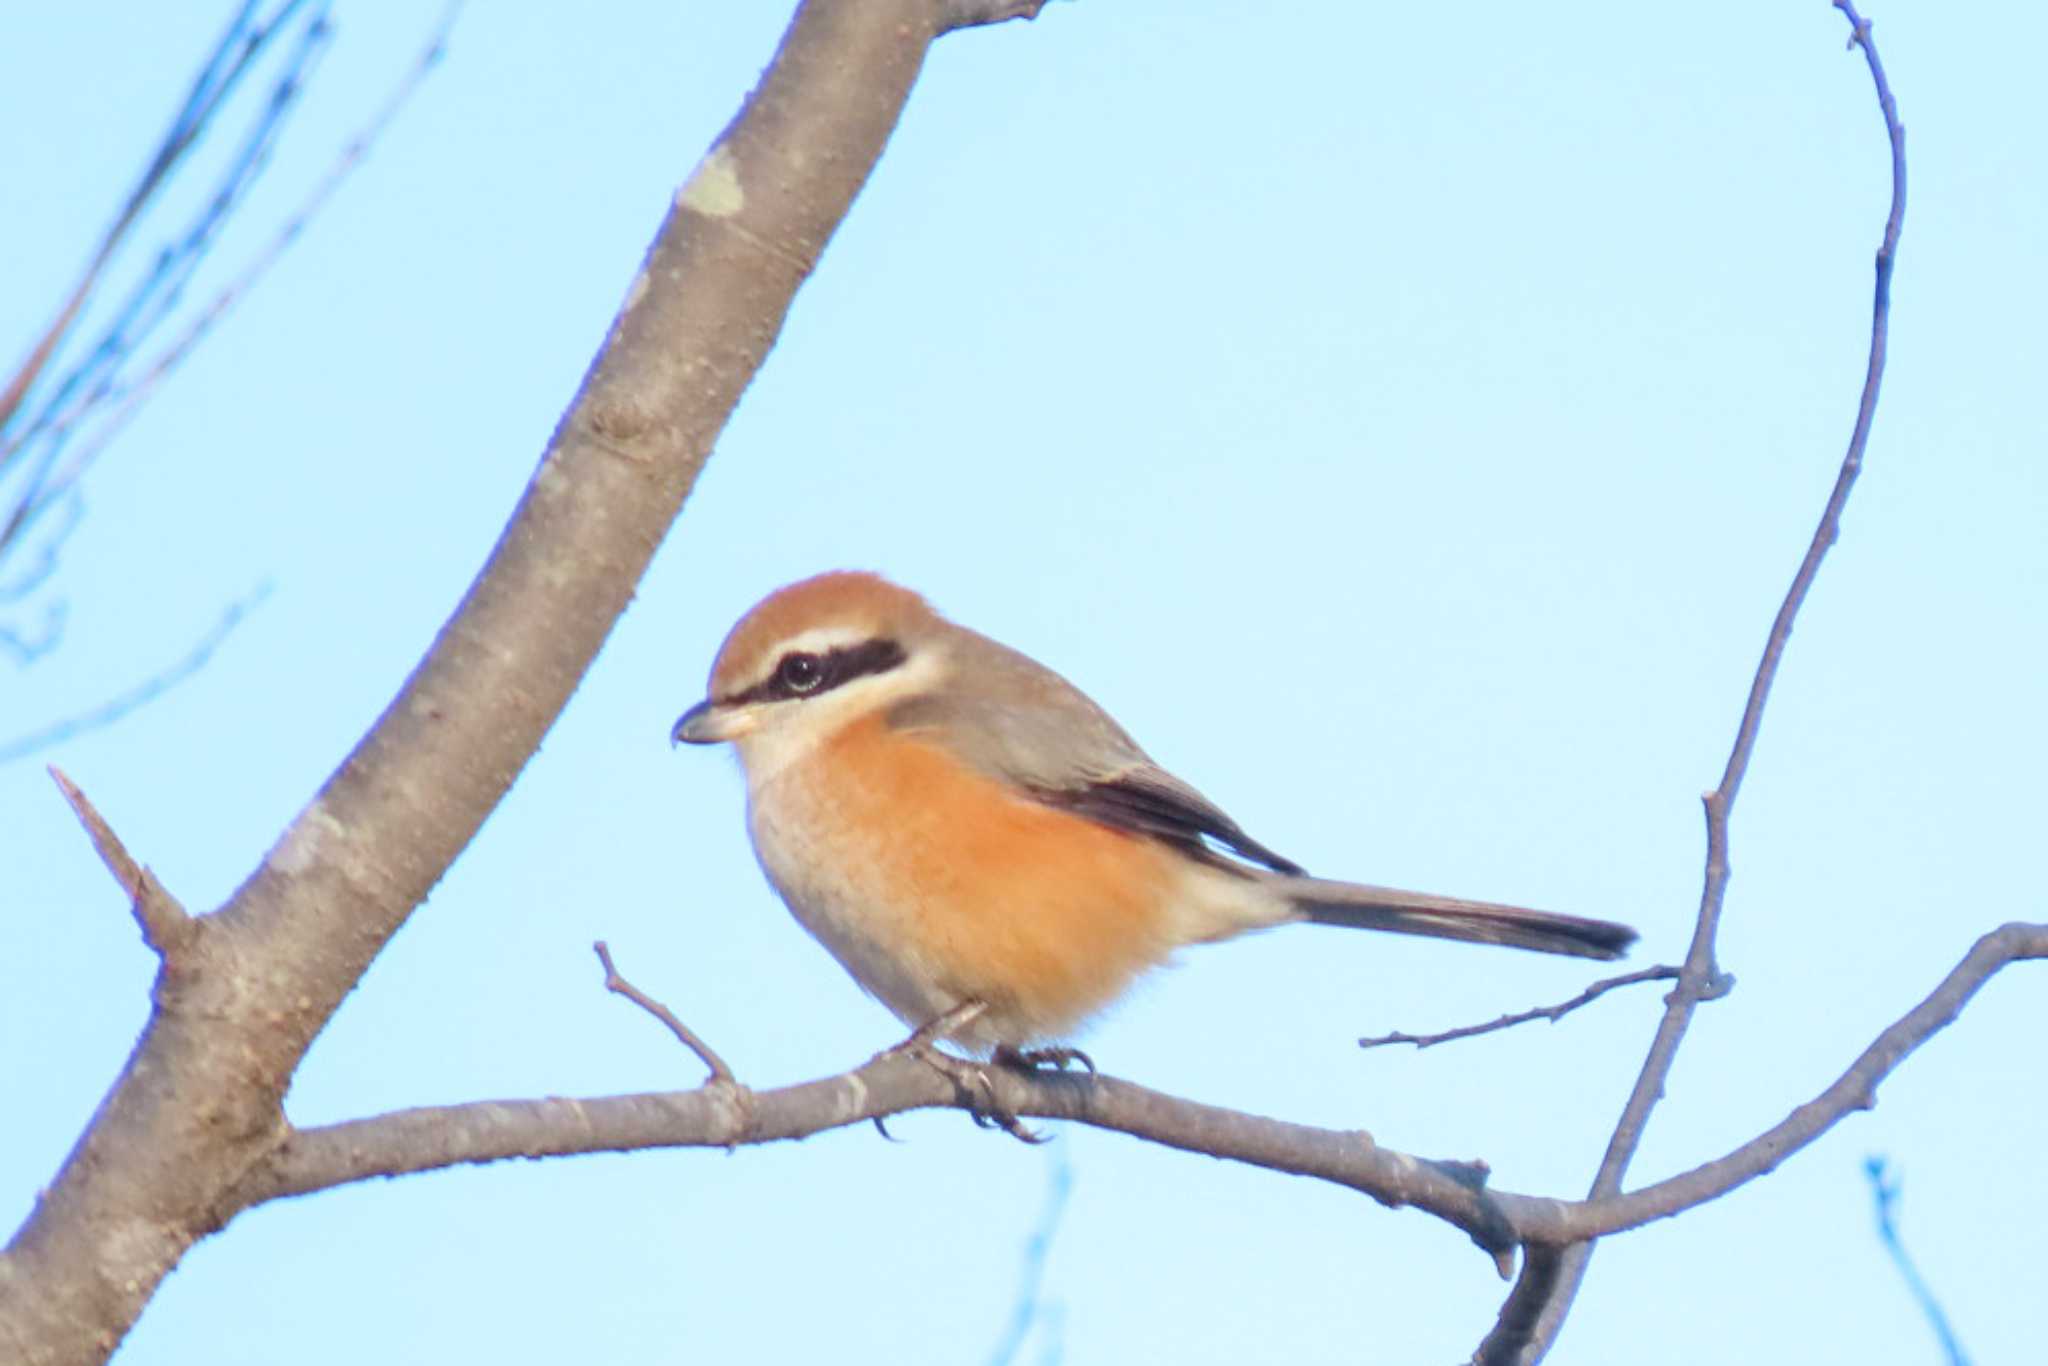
x=704, y=724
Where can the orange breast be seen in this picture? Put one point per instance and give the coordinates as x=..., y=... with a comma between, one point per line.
x=934, y=884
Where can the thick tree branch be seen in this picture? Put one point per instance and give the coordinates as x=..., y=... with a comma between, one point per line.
x=198, y=1105
x=193, y=1131
x=721, y=1116
x=1529, y=1337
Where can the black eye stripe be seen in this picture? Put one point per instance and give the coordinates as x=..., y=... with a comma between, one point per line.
x=835, y=667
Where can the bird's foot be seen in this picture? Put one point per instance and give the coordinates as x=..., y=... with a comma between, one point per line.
x=977, y=1088
x=923, y=1038
x=1057, y=1057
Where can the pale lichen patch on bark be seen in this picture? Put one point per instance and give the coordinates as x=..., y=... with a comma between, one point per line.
x=713, y=189
x=304, y=845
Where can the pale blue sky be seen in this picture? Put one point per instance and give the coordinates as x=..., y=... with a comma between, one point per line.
x=1405, y=419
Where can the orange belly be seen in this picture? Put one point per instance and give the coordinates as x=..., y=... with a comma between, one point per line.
x=934, y=885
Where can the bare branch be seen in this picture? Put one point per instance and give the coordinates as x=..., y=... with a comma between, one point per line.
x=408, y=1141
x=1854, y=1090
x=50, y=425
x=103, y=392
x=165, y=925
x=231, y=59
x=892, y=1083
x=198, y=1107
x=193, y=1130
x=1701, y=979
x=1661, y=973
x=33, y=364
x=619, y=985
x=959, y=14
x=120, y=402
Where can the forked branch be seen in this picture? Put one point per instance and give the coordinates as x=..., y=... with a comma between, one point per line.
x=198, y=1106
x=1529, y=1322
x=717, y=1116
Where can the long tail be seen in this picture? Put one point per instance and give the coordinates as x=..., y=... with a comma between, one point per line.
x=1447, y=917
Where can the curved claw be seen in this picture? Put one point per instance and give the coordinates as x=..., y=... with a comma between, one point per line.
x=976, y=1089
x=1016, y=1128
x=972, y=1078
x=1057, y=1057
x=1019, y=1130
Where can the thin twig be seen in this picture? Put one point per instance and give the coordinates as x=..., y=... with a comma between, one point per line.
x=1701, y=979
x=151, y=688
x=1031, y=1306
x=151, y=300
x=1884, y=1192
x=96, y=402
x=615, y=983
x=164, y=924
x=18, y=583
x=233, y=55
x=1660, y=973
x=123, y=402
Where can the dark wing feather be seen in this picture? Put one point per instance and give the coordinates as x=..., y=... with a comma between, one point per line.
x=1156, y=804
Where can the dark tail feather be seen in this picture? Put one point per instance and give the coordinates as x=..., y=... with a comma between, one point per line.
x=1447, y=917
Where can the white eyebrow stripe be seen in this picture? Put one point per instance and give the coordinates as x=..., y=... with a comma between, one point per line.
x=848, y=645
x=823, y=640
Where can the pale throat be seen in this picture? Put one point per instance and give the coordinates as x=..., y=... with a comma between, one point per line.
x=790, y=732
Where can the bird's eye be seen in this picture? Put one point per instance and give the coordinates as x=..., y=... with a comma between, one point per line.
x=800, y=672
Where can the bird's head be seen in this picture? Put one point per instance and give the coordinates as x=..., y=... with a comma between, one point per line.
x=811, y=659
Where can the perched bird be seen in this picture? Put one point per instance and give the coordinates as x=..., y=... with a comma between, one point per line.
x=982, y=846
